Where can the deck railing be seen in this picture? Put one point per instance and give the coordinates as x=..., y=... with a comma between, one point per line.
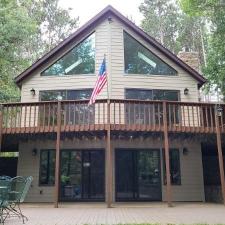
x=123, y=114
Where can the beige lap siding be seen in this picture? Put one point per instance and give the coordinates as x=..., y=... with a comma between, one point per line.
x=191, y=188
x=109, y=41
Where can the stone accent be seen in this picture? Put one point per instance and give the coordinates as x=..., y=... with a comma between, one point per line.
x=191, y=58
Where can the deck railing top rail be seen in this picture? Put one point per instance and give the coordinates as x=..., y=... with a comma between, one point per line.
x=123, y=114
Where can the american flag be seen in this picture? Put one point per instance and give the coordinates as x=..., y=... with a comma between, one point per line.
x=100, y=83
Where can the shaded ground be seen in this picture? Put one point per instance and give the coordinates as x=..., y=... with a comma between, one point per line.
x=93, y=213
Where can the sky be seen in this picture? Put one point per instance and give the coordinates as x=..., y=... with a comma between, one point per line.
x=86, y=9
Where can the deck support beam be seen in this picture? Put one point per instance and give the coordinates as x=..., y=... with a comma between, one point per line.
x=108, y=160
x=57, y=155
x=220, y=155
x=167, y=156
x=1, y=120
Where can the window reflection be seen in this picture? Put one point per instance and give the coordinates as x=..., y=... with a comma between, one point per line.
x=80, y=60
x=140, y=60
x=47, y=167
x=73, y=113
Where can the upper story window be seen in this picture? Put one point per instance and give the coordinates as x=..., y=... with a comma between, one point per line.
x=140, y=60
x=157, y=94
x=79, y=60
x=52, y=95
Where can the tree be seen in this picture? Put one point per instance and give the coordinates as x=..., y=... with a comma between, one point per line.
x=15, y=27
x=54, y=25
x=214, y=11
x=161, y=20
x=165, y=21
x=28, y=29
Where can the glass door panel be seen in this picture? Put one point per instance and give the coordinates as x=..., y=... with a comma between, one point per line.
x=70, y=175
x=124, y=174
x=82, y=175
x=138, y=176
x=97, y=175
x=149, y=179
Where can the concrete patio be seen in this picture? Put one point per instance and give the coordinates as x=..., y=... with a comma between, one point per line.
x=97, y=213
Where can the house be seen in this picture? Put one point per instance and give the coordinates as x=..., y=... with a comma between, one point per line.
x=143, y=140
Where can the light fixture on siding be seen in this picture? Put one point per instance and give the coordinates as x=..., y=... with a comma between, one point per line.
x=186, y=91
x=34, y=152
x=185, y=151
x=33, y=92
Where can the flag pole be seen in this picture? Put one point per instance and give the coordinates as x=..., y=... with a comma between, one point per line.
x=107, y=79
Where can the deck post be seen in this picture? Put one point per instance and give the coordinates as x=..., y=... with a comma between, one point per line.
x=108, y=160
x=1, y=120
x=167, y=159
x=220, y=154
x=57, y=155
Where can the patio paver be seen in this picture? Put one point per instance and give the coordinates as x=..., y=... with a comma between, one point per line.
x=71, y=214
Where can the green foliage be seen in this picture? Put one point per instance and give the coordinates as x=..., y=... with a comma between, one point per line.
x=161, y=21
x=165, y=21
x=15, y=27
x=214, y=11
x=28, y=29
x=199, y=7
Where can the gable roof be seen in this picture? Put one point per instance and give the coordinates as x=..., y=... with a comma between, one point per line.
x=104, y=14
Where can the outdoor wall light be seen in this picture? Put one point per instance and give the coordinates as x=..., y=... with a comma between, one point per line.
x=34, y=152
x=33, y=92
x=185, y=151
x=186, y=91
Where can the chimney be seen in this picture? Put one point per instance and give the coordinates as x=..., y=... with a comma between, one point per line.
x=191, y=58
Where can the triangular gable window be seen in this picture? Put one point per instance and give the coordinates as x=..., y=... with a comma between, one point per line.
x=79, y=60
x=140, y=60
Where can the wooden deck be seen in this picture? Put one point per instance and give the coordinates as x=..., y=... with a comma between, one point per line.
x=115, y=115
x=121, y=115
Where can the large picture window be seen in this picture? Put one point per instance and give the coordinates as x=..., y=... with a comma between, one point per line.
x=175, y=174
x=47, y=167
x=137, y=113
x=80, y=60
x=140, y=60
x=73, y=113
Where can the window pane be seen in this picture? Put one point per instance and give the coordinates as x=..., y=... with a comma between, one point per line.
x=139, y=94
x=79, y=94
x=140, y=60
x=47, y=167
x=175, y=174
x=168, y=95
x=80, y=60
x=52, y=95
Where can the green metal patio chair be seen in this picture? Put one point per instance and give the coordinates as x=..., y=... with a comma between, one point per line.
x=4, y=197
x=18, y=191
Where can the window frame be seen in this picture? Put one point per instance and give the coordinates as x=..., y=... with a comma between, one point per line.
x=48, y=166
x=64, y=54
x=154, y=54
x=66, y=91
x=152, y=90
x=164, y=167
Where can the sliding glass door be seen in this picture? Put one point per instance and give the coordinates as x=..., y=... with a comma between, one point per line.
x=138, y=176
x=82, y=175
